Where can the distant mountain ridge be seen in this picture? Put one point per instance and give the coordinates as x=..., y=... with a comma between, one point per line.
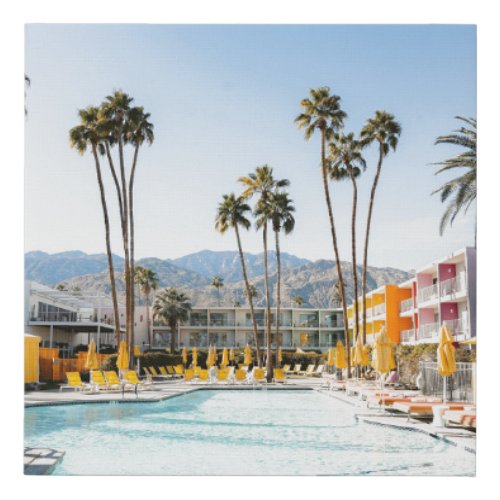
x=193, y=274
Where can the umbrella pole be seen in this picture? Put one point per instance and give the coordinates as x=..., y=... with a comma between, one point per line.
x=444, y=389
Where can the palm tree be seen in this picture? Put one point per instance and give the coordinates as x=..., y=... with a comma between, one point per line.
x=281, y=216
x=147, y=281
x=113, y=114
x=232, y=213
x=83, y=136
x=461, y=191
x=298, y=300
x=346, y=162
x=172, y=307
x=322, y=112
x=252, y=292
x=262, y=182
x=385, y=130
x=218, y=283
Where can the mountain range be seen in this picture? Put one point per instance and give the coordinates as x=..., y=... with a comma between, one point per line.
x=193, y=273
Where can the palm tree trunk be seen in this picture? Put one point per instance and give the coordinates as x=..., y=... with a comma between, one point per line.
x=367, y=236
x=335, y=249
x=278, y=295
x=128, y=287
x=148, y=319
x=250, y=299
x=269, y=360
x=131, y=221
x=115, y=180
x=354, y=265
x=111, y=270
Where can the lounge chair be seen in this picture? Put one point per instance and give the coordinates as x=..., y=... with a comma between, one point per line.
x=279, y=375
x=204, y=376
x=165, y=372
x=171, y=371
x=296, y=369
x=286, y=368
x=465, y=418
x=307, y=372
x=259, y=375
x=179, y=370
x=423, y=409
x=197, y=370
x=75, y=383
x=223, y=375
x=113, y=379
x=189, y=375
x=130, y=378
x=318, y=372
x=240, y=375
x=98, y=380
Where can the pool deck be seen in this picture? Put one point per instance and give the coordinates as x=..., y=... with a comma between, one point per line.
x=42, y=461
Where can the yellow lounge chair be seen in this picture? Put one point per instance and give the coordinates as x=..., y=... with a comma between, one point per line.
x=164, y=372
x=307, y=372
x=130, y=377
x=286, y=368
x=113, y=379
x=203, y=376
x=259, y=375
x=222, y=375
x=197, y=370
x=179, y=370
x=279, y=375
x=75, y=382
x=188, y=375
x=172, y=372
x=296, y=369
x=98, y=381
x=240, y=375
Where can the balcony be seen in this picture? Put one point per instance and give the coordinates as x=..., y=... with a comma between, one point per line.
x=406, y=305
x=221, y=322
x=332, y=324
x=428, y=293
x=407, y=336
x=453, y=286
x=428, y=331
x=379, y=309
x=70, y=317
x=458, y=327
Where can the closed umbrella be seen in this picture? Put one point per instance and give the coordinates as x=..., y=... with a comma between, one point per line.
x=231, y=355
x=446, y=357
x=194, y=354
x=280, y=355
x=382, y=356
x=360, y=356
x=210, y=357
x=91, y=361
x=184, y=356
x=340, y=363
x=331, y=357
x=225, y=358
x=248, y=355
x=122, y=360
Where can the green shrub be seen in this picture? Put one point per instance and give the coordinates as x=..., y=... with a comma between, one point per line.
x=110, y=363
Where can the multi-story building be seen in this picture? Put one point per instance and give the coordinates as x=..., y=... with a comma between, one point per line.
x=412, y=312
x=233, y=327
x=66, y=319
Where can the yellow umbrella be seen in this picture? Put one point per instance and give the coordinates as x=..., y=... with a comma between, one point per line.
x=210, y=358
x=340, y=356
x=231, y=354
x=280, y=355
x=91, y=361
x=304, y=337
x=446, y=356
x=382, y=355
x=225, y=358
x=194, y=353
x=331, y=357
x=214, y=354
x=248, y=355
x=184, y=356
x=122, y=360
x=360, y=356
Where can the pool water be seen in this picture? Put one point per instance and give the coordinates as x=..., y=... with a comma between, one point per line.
x=259, y=432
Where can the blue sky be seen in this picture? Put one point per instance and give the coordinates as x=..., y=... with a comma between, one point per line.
x=223, y=100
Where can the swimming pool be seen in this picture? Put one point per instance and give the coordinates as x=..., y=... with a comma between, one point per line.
x=236, y=432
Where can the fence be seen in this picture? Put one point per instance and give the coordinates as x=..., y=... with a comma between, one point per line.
x=460, y=386
x=53, y=368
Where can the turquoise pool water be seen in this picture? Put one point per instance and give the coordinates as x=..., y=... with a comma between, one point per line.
x=235, y=433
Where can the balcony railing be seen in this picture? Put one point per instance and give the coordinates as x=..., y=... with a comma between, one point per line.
x=407, y=336
x=457, y=327
x=453, y=285
x=332, y=324
x=406, y=305
x=428, y=293
x=379, y=309
x=70, y=317
x=428, y=331
x=222, y=322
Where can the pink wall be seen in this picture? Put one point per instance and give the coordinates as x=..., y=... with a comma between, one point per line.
x=426, y=316
x=447, y=271
x=424, y=280
x=449, y=310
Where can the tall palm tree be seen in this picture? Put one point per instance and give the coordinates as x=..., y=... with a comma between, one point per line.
x=172, y=307
x=83, y=136
x=461, y=191
x=281, y=216
x=232, y=213
x=138, y=129
x=218, y=283
x=147, y=281
x=114, y=112
x=262, y=183
x=322, y=112
x=347, y=162
x=384, y=130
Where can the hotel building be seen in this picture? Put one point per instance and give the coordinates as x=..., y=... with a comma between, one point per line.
x=412, y=312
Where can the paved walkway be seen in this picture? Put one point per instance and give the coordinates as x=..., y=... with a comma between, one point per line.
x=41, y=461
